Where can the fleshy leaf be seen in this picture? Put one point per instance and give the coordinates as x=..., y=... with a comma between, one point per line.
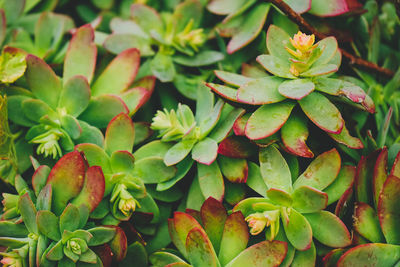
x=276, y=66
x=366, y=223
x=48, y=224
x=298, y=231
x=178, y=152
x=277, y=40
x=236, y=147
x=211, y=181
x=95, y=156
x=28, y=213
x=42, y=81
x=380, y=174
x=119, y=74
x=93, y=189
x=81, y=55
x=75, y=95
x=153, y=170
x=328, y=229
x=263, y=254
x=346, y=139
x=234, y=238
x=235, y=170
x=120, y=134
x=322, y=112
x=260, y=91
x=12, y=62
x=199, y=249
x=267, y=120
x=371, y=255
x=321, y=172
x=294, y=134
x=332, y=8
x=232, y=78
x=205, y=151
x=274, y=169
x=343, y=182
x=388, y=212
x=69, y=219
x=66, y=178
x=213, y=216
x=307, y=199
x=296, y=89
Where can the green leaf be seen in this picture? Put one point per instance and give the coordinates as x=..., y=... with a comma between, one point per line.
x=42, y=81
x=153, y=170
x=232, y=78
x=260, y=91
x=211, y=181
x=48, y=224
x=44, y=198
x=199, y=249
x=366, y=223
x=12, y=64
x=319, y=70
x=80, y=58
x=213, y=217
x=305, y=258
x=179, y=151
x=388, y=212
x=250, y=27
x=66, y=179
x=92, y=191
x=162, y=66
x=225, y=124
x=267, y=120
x=371, y=255
x=71, y=126
x=205, y=151
x=343, y=182
x=234, y=238
x=119, y=74
x=35, y=109
x=328, y=229
x=163, y=258
x=203, y=58
x=147, y=18
x=69, y=219
x=98, y=116
x=263, y=254
x=346, y=139
x=183, y=168
x=274, y=169
x=101, y=235
x=296, y=89
x=120, y=134
x=28, y=213
x=255, y=181
x=277, y=40
x=233, y=169
x=14, y=110
x=330, y=48
x=322, y=112
x=294, y=134
x=8, y=228
x=224, y=91
x=298, y=230
x=122, y=162
x=307, y=199
x=276, y=66
x=75, y=95
x=95, y=156
x=321, y=172
x=90, y=134
x=56, y=253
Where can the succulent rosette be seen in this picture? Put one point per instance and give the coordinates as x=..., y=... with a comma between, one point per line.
x=126, y=175
x=48, y=224
x=245, y=19
x=178, y=36
x=211, y=237
x=292, y=209
x=186, y=137
x=375, y=218
x=301, y=72
x=63, y=112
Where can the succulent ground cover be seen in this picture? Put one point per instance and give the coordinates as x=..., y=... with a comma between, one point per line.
x=199, y=133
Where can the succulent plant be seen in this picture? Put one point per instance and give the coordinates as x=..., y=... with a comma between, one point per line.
x=184, y=133
x=245, y=19
x=63, y=112
x=125, y=175
x=49, y=223
x=292, y=208
x=300, y=71
x=178, y=37
x=375, y=218
x=211, y=237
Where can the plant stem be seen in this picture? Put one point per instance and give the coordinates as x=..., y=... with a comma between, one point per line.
x=307, y=27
